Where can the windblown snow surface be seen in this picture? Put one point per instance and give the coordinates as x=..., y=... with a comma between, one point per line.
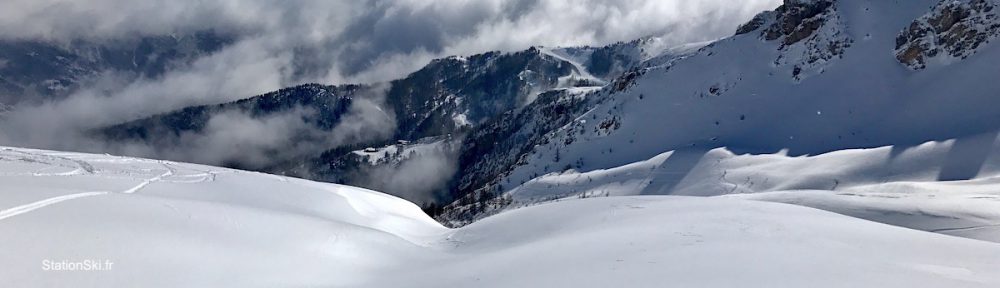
x=168, y=224
x=910, y=186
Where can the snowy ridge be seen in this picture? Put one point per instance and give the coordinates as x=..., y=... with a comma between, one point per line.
x=204, y=226
x=895, y=185
x=732, y=94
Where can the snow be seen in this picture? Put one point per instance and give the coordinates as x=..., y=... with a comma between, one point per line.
x=397, y=151
x=168, y=224
x=894, y=184
x=658, y=55
x=461, y=119
x=579, y=71
x=189, y=225
x=710, y=242
x=742, y=93
x=941, y=43
x=857, y=173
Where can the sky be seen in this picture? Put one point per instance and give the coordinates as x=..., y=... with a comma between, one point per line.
x=279, y=43
x=366, y=41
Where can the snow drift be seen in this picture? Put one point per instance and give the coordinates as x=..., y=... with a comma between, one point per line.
x=169, y=224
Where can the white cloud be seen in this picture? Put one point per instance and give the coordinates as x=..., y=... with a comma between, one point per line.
x=282, y=43
x=417, y=178
x=353, y=37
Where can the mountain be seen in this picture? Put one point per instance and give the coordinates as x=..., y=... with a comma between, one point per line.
x=35, y=71
x=808, y=78
x=153, y=223
x=827, y=143
x=450, y=93
x=448, y=97
x=320, y=106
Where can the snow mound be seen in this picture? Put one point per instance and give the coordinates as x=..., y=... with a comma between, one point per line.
x=657, y=241
x=898, y=185
x=168, y=224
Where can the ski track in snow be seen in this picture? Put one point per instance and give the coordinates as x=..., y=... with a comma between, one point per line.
x=7, y=213
x=169, y=172
x=84, y=167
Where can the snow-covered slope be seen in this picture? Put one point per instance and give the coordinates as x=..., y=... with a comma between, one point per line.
x=811, y=77
x=896, y=185
x=403, y=150
x=169, y=224
x=612, y=60
x=666, y=241
x=767, y=95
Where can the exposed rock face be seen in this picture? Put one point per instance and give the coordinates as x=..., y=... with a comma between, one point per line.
x=952, y=30
x=797, y=20
x=754, y=24
x=809, y=33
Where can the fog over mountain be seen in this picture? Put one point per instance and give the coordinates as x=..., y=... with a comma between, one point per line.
x=266, y=45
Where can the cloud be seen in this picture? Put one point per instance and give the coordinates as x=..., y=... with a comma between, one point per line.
x=235, y=73
x=282, y=43
x=235, y=138
x=368, y=119
x=349, y=38
x=419, y=178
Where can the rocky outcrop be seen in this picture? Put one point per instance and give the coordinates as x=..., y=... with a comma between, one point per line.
x=797, y=20
x=754, y=24
x=952, y=30
x=808, y=32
